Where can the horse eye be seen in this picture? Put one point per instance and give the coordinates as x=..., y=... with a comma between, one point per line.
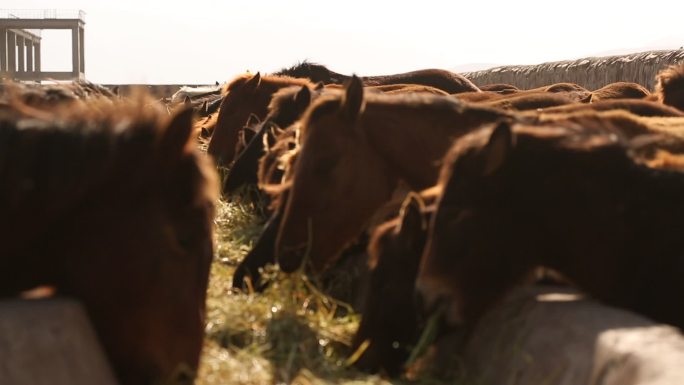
x=185, y=242
x=324, y=166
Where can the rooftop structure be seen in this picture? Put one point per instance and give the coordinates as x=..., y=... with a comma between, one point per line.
x=20, y=42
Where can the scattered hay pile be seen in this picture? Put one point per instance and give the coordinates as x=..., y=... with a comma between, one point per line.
x=288, y=334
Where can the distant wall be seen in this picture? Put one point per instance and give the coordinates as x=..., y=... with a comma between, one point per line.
x=591, y=73
x=157, y=90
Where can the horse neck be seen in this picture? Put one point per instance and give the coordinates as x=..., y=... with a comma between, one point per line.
x=411, y=149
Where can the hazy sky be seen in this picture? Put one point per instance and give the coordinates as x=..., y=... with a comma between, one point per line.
x=202, y=41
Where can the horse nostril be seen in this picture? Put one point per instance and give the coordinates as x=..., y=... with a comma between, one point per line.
x=291, y=258
x=418, y=301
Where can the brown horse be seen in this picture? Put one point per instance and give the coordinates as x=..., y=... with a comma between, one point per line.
x=530, y=100
x=447, y=81
x=389, y=323
x=590, y=210
x=408, y=88
x=244, y=96
x=670, y=86
x=499, y=87
x=111, y=203
x=561, y=87
x=356, y=148
x=620, y=90
x=49, y=96
x=635, y=106
x=286, y=107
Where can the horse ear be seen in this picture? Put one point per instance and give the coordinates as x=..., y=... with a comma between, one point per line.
x=252, y=121
x=177, y=136
x=249, y=134
x=353, y=98
x=499, y=147
x=319, y=86
x=205, y=132
x=413, y=223
x=187, y=100
x=588, y=99
x=205, y=108
x=272, y=135
x=252, y=84
x=303, y=97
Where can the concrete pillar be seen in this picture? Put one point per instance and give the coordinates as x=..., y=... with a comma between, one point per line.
x=36, y=54
x=21, y=54
x=75, y=52
x=81, y=44
x=29, y=55
x=11, y=51
x=3, y=49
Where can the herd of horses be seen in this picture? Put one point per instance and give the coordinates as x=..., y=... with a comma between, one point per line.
x=452, y=192
x=459, y=192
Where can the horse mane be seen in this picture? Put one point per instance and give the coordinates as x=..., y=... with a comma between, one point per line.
x=281, y=156
x=298, y=69
x=53, y=159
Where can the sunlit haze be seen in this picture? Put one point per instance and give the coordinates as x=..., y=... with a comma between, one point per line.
x=203, y=41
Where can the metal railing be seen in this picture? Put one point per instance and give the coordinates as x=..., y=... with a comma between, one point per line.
x=42, y=14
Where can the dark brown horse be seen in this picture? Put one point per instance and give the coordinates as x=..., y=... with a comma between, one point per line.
x=447, y=81
x=245, y=96
x=356, y=148
x=620, y=90
x=390, y=323
x=670, y=86
x=590, y=210
x=111, y=203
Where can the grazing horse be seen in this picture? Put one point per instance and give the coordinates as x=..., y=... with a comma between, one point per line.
x=447, y=81
x=670, y=86
x=530, y=101
x=635, y=106
x=499, y=87
x=389, y=317
x=590, y=210
x=561, y=87
x=48, y=96
x=620, y=90
x=111, y=203
x=245, y=96
x=286, y=107
x=356, y=148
